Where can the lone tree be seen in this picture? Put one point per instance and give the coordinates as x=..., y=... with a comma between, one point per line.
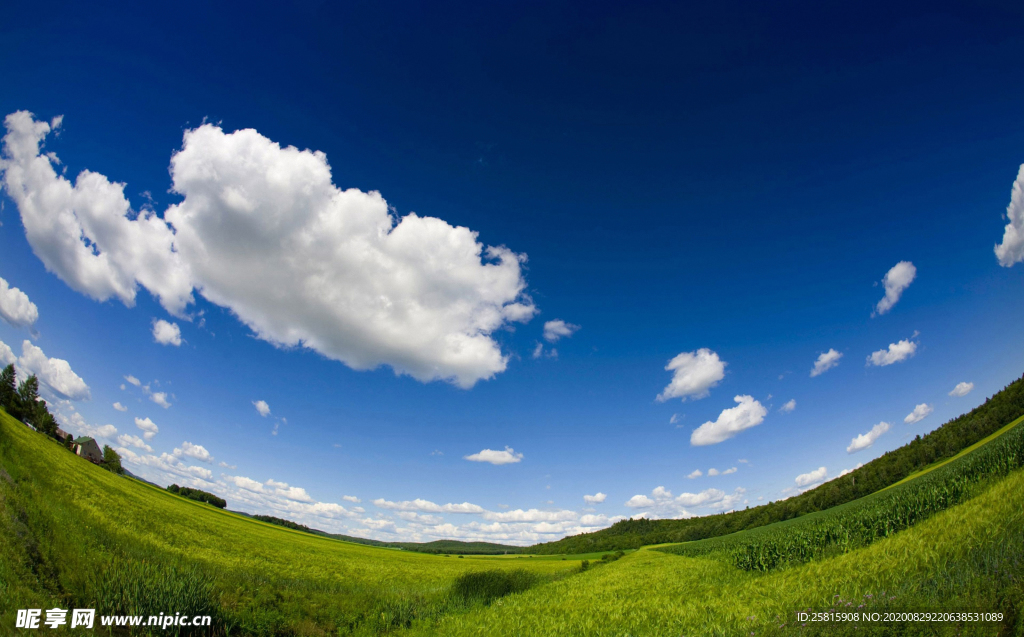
x=112, y=460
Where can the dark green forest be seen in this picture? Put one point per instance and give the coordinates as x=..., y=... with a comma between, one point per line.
x=198, y=495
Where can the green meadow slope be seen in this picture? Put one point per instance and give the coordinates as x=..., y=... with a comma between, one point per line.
x=73, y=534
x=949, y=539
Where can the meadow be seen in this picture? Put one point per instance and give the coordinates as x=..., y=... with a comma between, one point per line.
x=950, y=538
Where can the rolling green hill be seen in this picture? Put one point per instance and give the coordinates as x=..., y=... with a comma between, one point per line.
x=1000, y=412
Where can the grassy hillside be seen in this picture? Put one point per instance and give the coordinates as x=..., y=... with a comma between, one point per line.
x=970, y=557
x=74, y=534
x=945, y=442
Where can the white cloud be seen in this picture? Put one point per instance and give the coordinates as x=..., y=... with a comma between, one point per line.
x=851, y=470
x=730, y=470
x=639, y=501
x=427, y=506
x=190, y=450
x=962, y=389
x=538, y=351
x=134, y=381
x=897, y=353
x=75, y=423
x=148, y=427
x=863, y=441
x=7, y=356
x=166, y=333
x=15, y=307
x=54, y=374
x=920, y=413
x=350, y=280
x=748, y=413
x=696, y=473
x=597, y=498
x=507, y=456
x=531, y=515
x=351, y=498
x=693, y=375
x=1011, y=250
x=661, y=502
x=896, y=280
x=788, y=407
x=128, y=440
x=826, y=361
x=160, y=398
x=713, y=472
x=86, y=233
x=118, y=406
x=262, y=407
x=811, y=477
x=556, y=329
x=674, y=419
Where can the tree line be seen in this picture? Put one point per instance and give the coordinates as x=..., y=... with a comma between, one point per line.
x=942, y=443
x=198, y=495
x=22, y=401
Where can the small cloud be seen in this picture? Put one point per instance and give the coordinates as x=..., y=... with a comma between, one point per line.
x=743, y=460
x=729, y=470
x=508, y=456
x=538, y=351
x=118, y=406
x=696, y=473
x=128, y=440
x=864, y=441
x=693, y=375
x=148, y=427
x=190, y=450
x=748, y=413
x=16, y=308
x=226, y=465
x=811, y=477
x=897, y=353
x=788, y=407
x=713, y=472
x=166, y=333
x=557, y=329
x=826, y=361
x=436, y=452
x=351, y=498
x=962, y=389
x=262, y=407
x=597, y=498
x=896, y=280
x=134, y=381
x=920, y=413
x=674, y=419
x=160, y=398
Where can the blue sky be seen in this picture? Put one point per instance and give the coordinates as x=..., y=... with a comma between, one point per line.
x=725, y=187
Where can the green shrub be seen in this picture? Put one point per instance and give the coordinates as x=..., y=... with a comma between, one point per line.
x=487, y=586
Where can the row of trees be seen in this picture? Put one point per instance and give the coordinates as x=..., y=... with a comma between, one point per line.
x=23, y=402
x=199, y=495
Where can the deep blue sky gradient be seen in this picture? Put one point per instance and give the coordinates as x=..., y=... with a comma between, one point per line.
x=732, y=175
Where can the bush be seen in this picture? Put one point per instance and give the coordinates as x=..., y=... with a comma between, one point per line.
x=487, y=586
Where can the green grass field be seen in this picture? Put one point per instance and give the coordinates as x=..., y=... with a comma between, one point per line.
x=74, y=535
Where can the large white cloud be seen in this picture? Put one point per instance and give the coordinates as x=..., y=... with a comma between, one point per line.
x=896, y=280
x=961, y=389
x=7, y=356
x=55, y=375
x=693, y=374
x=506, y=456
x=897, y=353
x=427, y=506
x=189, y=450
x=825, y=361
x=920, y=413
x=748, y=413
x=15, y=307
x=263, y=230
x=86, y=233
x=1011, y=250
x=863, y=441
x=661, y=503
